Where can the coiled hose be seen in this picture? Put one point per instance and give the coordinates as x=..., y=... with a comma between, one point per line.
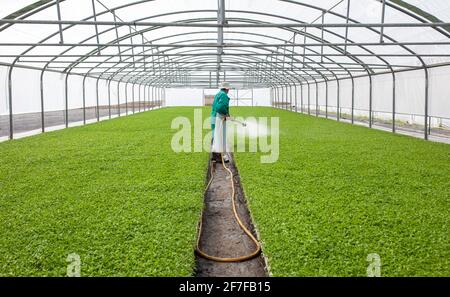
x=220, y=259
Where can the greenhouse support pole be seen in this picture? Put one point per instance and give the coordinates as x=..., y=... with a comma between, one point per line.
x=288, y=95
x=282, y=98
x=157, y=97
x=10, y=100
x=301, y=97
x=126, y=98
x=109, y=98
x=393, y=100
x=275, y=97
x=290, y=98
x=383, y=13
x=118, y=97
x=139, y=97
x=58, y=12
x=96, y=26
x=270, y=96
x=286, y=103
x=281, y=94
x=338, y=103
x=278, y=97
x=346, y=27
x=152, y=98
x=295, y=94
x=97, y=112
x=42, y=101
x=370, y=99
x=132, y=95
x=145, y=97
x=326, y=98
x=66, y=108
x=149, y=97
x=317, y=98
x=84, y=100
x=353, y=99
x=309, y=101
x=426, y=103
x=274, y=91
x=152, y=92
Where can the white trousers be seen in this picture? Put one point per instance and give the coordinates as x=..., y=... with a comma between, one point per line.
x=220, y=135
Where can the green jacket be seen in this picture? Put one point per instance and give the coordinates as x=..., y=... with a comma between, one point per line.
x=221, y=104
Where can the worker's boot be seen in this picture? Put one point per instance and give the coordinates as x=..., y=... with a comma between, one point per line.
x=225, y=157
x=215, y=157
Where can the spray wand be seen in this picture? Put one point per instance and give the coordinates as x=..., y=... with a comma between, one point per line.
x=236, y=121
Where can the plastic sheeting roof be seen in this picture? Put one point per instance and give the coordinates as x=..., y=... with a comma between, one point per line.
x=177, y=43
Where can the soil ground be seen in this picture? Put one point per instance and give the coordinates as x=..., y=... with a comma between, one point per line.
x=221, y=235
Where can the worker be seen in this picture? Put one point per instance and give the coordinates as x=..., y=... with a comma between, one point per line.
x=219, y=114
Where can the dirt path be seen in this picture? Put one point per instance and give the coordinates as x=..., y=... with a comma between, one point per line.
x=221, y=234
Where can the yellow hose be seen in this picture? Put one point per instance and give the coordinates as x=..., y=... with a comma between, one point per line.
x=220, y=259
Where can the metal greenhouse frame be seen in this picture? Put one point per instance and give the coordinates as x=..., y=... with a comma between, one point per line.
x=295, y=52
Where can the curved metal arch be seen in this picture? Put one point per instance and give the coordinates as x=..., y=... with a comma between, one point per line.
x=228, y=39
x=244, y=62
x=172, y=13
x=298, y=61
x=140, y=32
x=125, y=67
x=314, y=37
x=159, y=77
x=141, y=59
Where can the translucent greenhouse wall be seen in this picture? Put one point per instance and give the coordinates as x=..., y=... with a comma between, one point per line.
x=82, y=106
x=409, y=99
x=322, y=98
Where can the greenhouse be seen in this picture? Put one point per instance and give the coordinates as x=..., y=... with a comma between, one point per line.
x=111, y=160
